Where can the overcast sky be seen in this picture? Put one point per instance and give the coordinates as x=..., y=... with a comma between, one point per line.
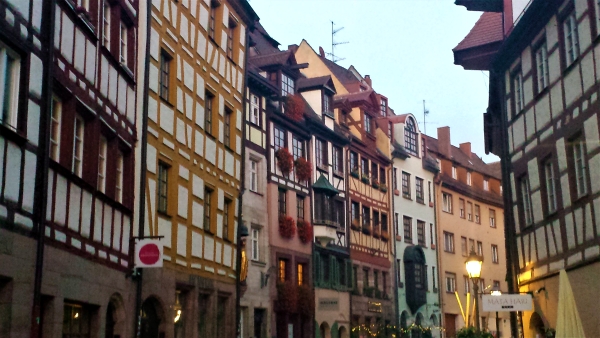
x=406, y=48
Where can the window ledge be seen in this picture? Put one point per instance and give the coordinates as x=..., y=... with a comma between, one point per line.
x=12, y=134
x=258, y=263
x=255, y=192
x=163, y=214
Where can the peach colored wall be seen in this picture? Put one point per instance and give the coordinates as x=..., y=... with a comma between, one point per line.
x=275, y=239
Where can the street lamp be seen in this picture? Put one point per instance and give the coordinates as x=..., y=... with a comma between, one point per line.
x=496, y=292
x=473, y=264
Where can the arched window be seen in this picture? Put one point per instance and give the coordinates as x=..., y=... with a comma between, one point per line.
x=410, y=137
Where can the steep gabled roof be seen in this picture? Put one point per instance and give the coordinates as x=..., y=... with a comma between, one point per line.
x=279, y=58
x=315, y=82
x=488, y=29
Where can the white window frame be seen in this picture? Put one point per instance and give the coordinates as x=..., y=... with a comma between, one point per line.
x=106, y=24
x=454, y=175
x=571, y=39
x=102, y=150
x=255, y=244
x=253, y=175
x=550, y=186
x=119, y=178
x=78, y=132
x=526, y=195
x=494, y=254
x=10, y=107
x=519, y=96
x=450, y=283
x=255, y=109
x=492, y=218
x=580, y=167
x=469, y=182
x=541, y=61
x=448, y=242
x=123, y=30
x=446, y=202
x=55, y=120
x=486, y=184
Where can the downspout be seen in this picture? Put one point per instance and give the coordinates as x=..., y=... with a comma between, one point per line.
x=143, y=168
x=509, y=224
x=395, y=252
x=438, y=253
x=348, y=230
x=238, y=265
x=41, y=186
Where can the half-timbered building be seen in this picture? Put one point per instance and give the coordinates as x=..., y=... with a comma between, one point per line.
x=543, y=121
x=69, y=102
x=194, y=164
x=416, y=261
x=256, y=306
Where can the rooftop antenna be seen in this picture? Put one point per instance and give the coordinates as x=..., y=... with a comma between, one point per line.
x=425, y=113
x=334, y=58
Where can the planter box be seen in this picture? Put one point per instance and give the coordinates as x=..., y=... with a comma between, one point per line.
x=396, y=192
x=431, y=204
x=433, y=246
x=398, y=238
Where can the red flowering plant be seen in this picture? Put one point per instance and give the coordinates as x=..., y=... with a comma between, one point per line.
x=376, y=232
x=303, y=169
x=287, y=227
x=306, y=301
x=285, y=160
x=305, y=231
x=287, y=297
x=294, y=107
x=385, y=236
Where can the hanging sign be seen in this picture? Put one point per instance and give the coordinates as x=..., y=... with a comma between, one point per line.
x=507, y=303
x=148, y=253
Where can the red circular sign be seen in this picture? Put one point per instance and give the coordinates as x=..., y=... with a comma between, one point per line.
x=149, y=254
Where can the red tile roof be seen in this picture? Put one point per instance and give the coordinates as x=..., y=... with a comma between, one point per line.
x=488, y=29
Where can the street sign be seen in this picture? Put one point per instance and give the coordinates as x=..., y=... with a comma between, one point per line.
x=507, y=303
x=148, y=253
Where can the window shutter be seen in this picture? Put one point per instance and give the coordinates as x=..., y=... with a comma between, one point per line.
x=317, y=268
x=349, y=274
x=333, y=271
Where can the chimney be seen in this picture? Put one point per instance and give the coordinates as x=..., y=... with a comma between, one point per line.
x=293, y=48
x=321, y=52
x=368, y=80
x=466, y=148
x=444, y=145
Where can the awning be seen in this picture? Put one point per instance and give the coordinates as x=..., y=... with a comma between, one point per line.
x=322, y=184
x=568, y=323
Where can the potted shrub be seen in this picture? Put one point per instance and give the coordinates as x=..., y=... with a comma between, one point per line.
x=285, y=160
x=365, y=178
x=375, y=184
x=303, y=169
x=355, y=225
x=305, y=231
x=287, y=228
x=294, y=107
x=367, y=229
x=385, y=235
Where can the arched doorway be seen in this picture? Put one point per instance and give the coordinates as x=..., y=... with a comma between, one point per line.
x=536, y=326
x=115, y=317
x=416, y=332
x=325, y=330
x=152, y=319
x=343, y=332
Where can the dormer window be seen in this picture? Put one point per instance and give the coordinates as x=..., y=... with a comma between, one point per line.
x=368, y=124
x=383, y=107
x=410, y=137
x=327, y=103
x=287, y=85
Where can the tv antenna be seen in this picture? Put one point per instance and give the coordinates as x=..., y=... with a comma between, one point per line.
x=425, y=113
x=334, y=58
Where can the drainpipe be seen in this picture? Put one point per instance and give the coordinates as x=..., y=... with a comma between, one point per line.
x=143, y=168
x=41, y=186
x=395, y=252
x=438, y=253
x=238, y=265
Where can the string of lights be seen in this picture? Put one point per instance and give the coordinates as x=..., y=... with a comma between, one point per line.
x=366, y=329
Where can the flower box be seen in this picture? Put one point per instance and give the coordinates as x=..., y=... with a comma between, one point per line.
x=354, y=173
x=385, y=236
x=433, y=246
x=287, y=228
x=368, y=291
x=396, y=192
x=376, y=232
x=367, y=229
x=398, y=237
x=431, y=204
x=355, y=225
x=303, y=169
x=365, y=179
x=305, y=231
x=375, y=184
x=285, y=160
